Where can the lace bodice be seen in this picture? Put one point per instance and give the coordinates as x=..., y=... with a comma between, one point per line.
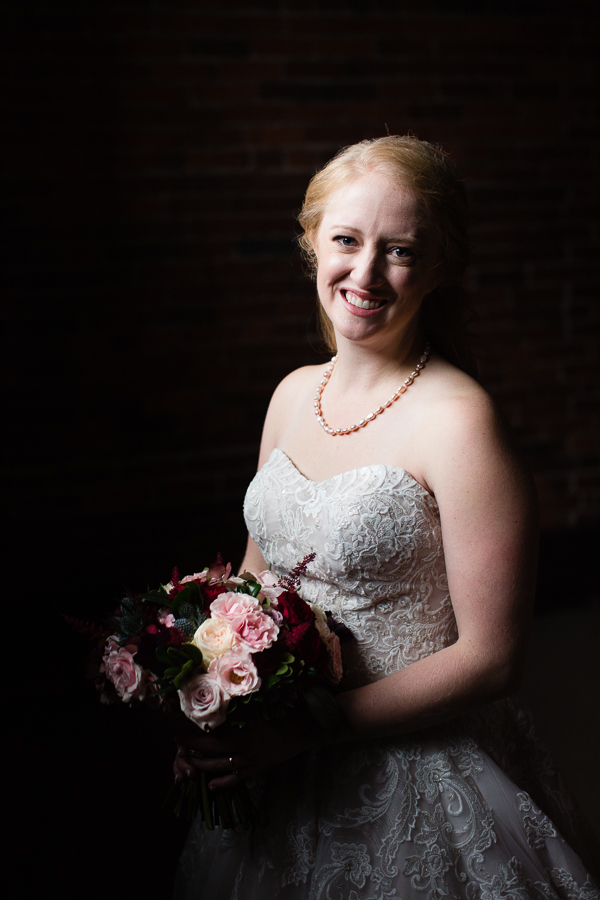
x=379, y=564
x=472, y=808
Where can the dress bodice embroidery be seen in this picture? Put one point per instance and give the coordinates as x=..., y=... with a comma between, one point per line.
x=379, y=564
x=471, y=809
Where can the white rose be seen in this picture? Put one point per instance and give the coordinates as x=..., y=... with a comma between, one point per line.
x=321, y=623
x=214, y=637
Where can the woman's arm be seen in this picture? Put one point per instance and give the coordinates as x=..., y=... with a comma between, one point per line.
x=253, y=560
x=489, y=527
x=488, y=517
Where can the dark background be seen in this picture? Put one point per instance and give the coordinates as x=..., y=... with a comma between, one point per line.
x=154, y=154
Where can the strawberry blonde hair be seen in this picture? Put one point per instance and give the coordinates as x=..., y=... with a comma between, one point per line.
x=431, y=175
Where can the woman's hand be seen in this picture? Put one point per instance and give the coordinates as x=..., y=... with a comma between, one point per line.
x=235, y=756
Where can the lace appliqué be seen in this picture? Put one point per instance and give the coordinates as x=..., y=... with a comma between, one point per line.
x=537, y=826
x=300, y=858
x=448, y=813
x=379, y=563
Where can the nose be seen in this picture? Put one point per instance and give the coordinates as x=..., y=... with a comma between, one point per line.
x=367, y=271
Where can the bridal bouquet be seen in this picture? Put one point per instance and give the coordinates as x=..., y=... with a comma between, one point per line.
x=232, y=650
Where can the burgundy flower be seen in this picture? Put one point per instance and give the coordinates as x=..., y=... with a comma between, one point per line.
x=267, y=661
x=176, y=584
x=211, y=592
x=294, y=610
x=304, y=642
x=161, y=636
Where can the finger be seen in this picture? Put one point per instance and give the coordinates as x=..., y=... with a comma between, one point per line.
x=182, y=769
x=224, y=781
x=206, y=744
x=216, y=764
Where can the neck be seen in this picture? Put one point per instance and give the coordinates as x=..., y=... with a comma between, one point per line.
x=364, y=366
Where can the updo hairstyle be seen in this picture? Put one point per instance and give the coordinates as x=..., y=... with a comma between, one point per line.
x=429, y=172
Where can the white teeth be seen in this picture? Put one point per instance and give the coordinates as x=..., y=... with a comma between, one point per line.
x=362, y=304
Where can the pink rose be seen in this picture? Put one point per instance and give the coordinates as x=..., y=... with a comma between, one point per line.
x=214, y=637
x=204, y=702
x=235, y=672
x=256, y=630
x=215, y=573
x=231, y=606
x=197, y=576
x=270, y=585
x=120, y=668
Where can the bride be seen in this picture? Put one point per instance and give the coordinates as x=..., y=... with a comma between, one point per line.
x=395, y=468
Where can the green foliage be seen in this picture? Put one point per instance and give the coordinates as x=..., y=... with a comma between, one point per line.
x=181, y=663
x=285, y=672
x=187, y=670
x=249, y=587
x=189, y=595
x=160, y=596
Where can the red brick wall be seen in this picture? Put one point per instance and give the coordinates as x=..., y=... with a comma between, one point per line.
x=154, y=152
x=154, y=156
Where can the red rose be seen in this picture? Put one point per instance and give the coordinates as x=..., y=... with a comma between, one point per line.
x=211, y=592
x=267, y=661
x=305, y=643
x=294, y=609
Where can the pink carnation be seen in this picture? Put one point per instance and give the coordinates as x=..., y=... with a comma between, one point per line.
x=257, y=630
x=230, y=606
x=204, y=701
x=235, y=672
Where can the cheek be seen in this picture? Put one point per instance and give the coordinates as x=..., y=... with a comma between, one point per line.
x=421, y=281
x=327, y=275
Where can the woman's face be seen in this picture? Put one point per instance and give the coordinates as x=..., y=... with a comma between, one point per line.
x=377, y=259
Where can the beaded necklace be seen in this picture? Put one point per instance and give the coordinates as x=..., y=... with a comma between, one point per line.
x=372, y=415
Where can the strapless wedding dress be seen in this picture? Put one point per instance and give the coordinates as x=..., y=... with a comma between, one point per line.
x=472, y=809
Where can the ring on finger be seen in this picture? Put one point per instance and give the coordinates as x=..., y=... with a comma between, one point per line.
x=196, y=754
x=233, y=768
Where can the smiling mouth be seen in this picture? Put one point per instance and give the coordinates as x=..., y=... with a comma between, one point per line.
x=354, y=300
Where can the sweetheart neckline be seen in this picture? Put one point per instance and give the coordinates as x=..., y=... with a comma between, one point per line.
x=350, y=471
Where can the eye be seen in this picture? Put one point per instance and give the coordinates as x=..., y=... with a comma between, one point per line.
x=402, y=253
x=344, y=240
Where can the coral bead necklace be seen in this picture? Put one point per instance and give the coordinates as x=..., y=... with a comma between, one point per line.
x=372, y=415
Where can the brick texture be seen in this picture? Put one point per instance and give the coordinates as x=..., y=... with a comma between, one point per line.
x=154, y=155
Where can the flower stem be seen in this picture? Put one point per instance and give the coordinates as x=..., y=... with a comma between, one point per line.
x=206, y=803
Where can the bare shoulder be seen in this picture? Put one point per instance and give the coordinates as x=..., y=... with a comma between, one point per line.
x=467, y=438
x=300, y=379
x=458, y=407
x=287, y=402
